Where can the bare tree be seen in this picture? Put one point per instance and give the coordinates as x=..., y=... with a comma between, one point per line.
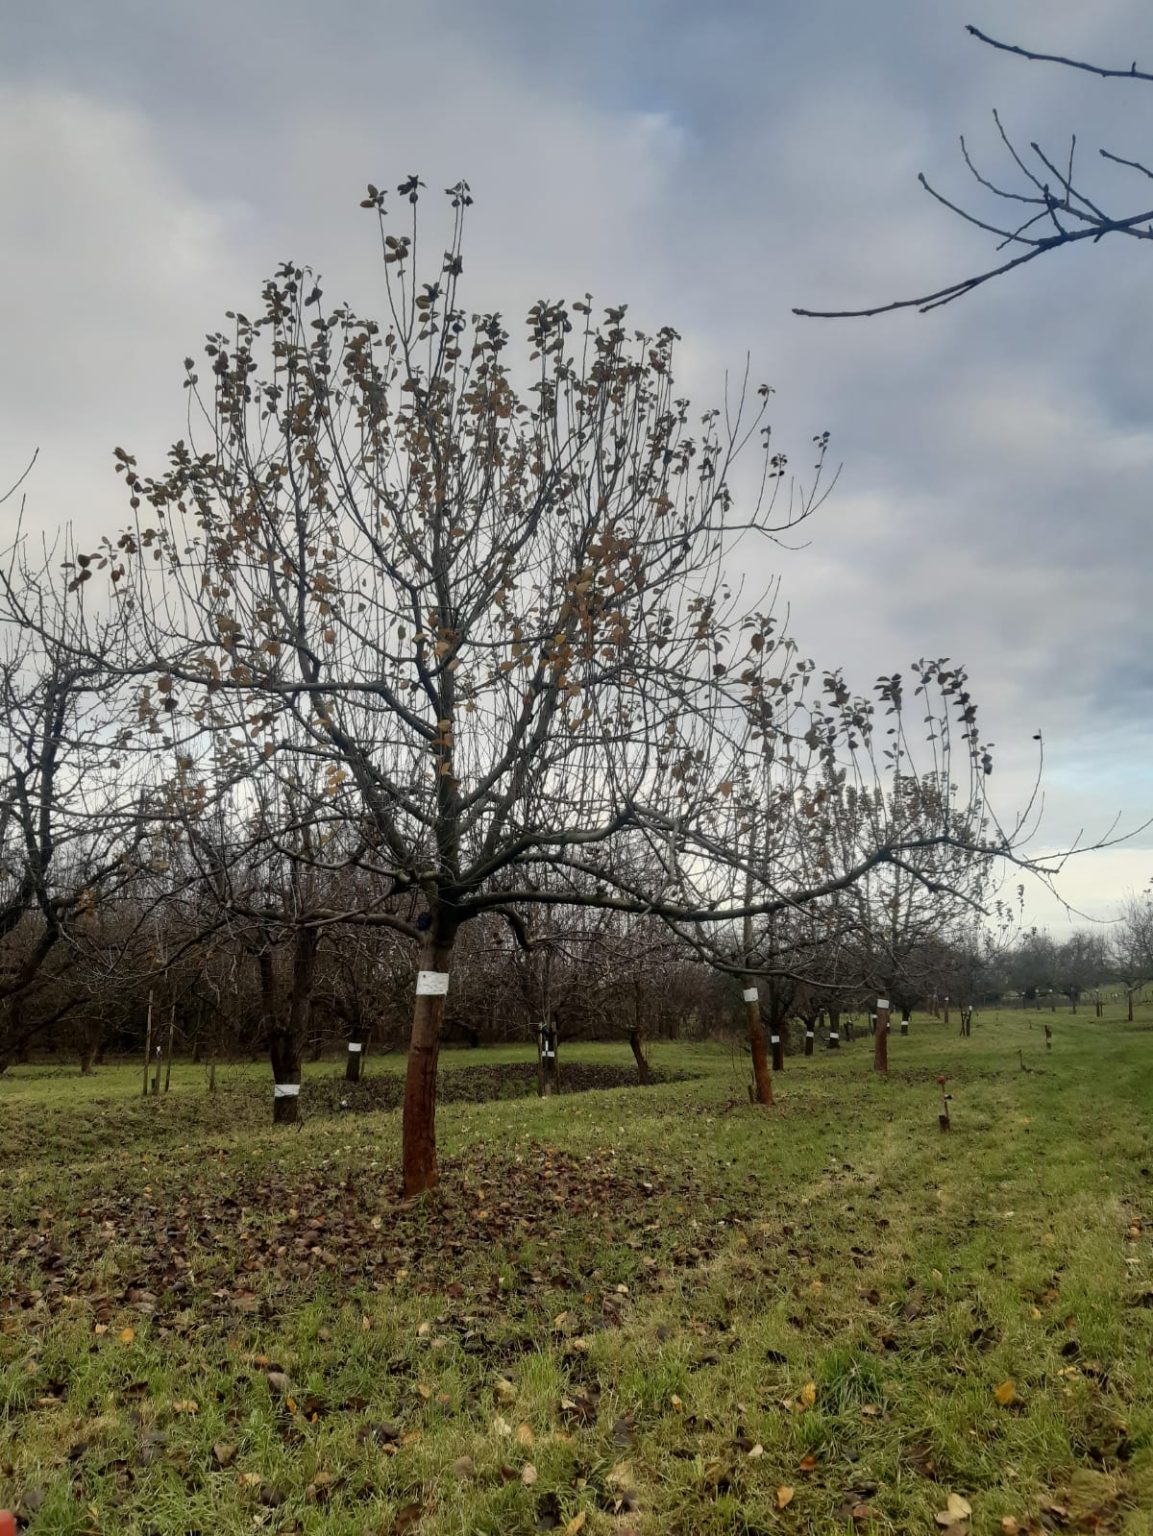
x=1132, y=947
x=1044, y=206
x=478, y=610
x=1082, y=963
x=71, y=821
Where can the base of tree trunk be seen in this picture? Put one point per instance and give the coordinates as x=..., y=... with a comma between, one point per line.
x=881, y=1047
x=286, y=1110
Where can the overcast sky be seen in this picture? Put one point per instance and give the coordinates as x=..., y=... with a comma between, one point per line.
x=712, y=166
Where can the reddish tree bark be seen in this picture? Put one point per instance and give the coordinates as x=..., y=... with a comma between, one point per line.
x=419, y=1126
x=881, y=1048
x=762, y=1077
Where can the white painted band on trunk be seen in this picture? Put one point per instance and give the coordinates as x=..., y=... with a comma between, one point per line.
x=547, y=1054
x=809, y=1034
x=833, y=1035
x=774, y=1039
x=882, y=1002
x=355, y=1046
x=431, y=983
x=751, y=995
x=285, y=1090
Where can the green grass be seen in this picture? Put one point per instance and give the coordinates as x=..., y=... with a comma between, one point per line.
x=665, y=1304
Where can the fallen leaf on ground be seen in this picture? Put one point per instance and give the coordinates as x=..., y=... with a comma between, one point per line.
x=528, y=1474
x=577, y=1523
x=785, y=1497
x=1006, y=1392
x=956, y=1510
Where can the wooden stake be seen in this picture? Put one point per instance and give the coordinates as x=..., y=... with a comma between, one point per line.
x=147, y=1048
x=168, y=1052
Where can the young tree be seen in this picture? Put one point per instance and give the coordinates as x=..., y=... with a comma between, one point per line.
x=1032, y=965
x=1132, y=947
x=1081, y=964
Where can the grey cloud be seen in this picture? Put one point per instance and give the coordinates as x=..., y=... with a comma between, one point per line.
x=715, y=165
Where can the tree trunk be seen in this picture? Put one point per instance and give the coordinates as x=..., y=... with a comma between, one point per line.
x=355, y=1063
x=834, y=1029
x=147, y=1047
x=778, y=1046
x=946, y=1010
x=636, y=1042
x=285, y=1055
x=881, y=1049
x=286, y=1040
x=419, y=1130
x=1129, y=1010
x=762, y=1077
x=906, y=1018
x=810, y=1036
x=547, y=1073
x=637, y=1046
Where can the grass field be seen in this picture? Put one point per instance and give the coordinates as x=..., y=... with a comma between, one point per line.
x=627, y=1311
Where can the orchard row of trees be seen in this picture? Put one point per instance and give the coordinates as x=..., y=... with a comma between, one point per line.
x=155, y=969
x=420, y=676
x=1115, y=957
